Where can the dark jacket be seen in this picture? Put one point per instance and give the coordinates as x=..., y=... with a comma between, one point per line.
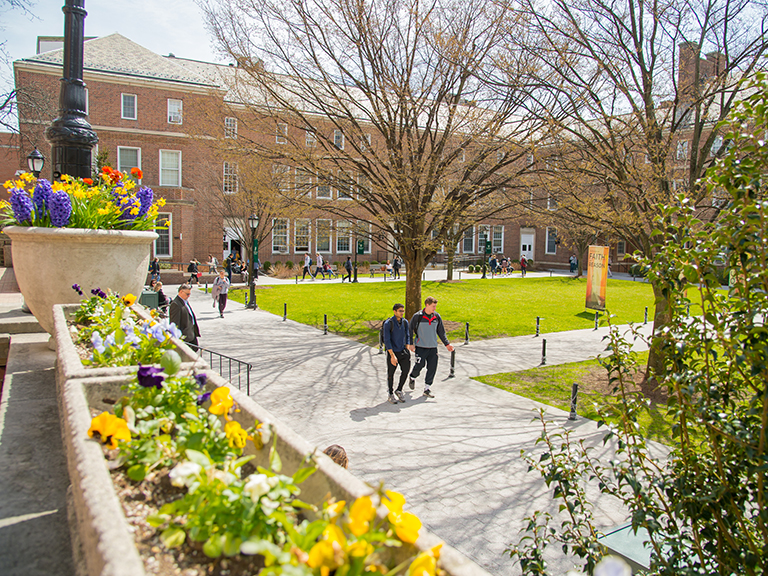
x=178, y=313
x=396, y=334
x=432, y=328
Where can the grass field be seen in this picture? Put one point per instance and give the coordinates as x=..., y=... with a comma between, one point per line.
x=493, y=308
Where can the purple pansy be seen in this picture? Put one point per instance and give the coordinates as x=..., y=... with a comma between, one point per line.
x=99, y=292
x=201, y=379
x=42, y=197
x=150, y=376
x=60, y=207
x=76, y=288
x=146, y=197
x=22, y=205
x=202, y=398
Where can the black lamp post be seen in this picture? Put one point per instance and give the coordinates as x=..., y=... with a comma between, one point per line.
x=35, y=161
x=253, y=222
x=70, y=135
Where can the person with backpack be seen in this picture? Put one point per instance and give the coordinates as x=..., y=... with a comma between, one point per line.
x=307, y=264
x=319, y=268
x=397, y=336
x=192, y=269
x=523, y=264
x=426, y=327
x=348, y=268
x=396, y=265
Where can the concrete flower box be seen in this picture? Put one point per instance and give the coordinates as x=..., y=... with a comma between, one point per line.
x=101, y=534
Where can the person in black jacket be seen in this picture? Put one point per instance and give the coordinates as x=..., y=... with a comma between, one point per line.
x=192, y=269
x=181, y=314
x=397, y=336
x=426, y=327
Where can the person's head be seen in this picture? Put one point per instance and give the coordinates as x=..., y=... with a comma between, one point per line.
x=158, y=286
x=338, y=455
x=399, y=310
x=184, y=291
x=152, y=283
x=222, y=273
x=430, y=304
x=155, y=258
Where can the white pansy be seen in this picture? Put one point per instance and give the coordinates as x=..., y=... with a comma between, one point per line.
x=256, y=485
x=183, y=474
x=273, y=481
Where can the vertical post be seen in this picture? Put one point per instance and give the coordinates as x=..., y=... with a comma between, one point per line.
x=687, y=309
x=453, y=364
x=325, y=324
x=297, y=278
x=543, y=351
x=645, y=320
x=424, y=276
x=538, y=320
x=246, y=300
x=381, y=339
x=550, y=273
x=597, y=318
x=206, y=287
x=466, y=333
x=574, y=397
x=285, y=310
x=459, y=274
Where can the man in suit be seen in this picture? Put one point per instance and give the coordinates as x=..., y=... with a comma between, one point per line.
x=181, y=314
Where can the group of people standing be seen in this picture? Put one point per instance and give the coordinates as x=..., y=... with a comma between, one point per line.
x=503, y=265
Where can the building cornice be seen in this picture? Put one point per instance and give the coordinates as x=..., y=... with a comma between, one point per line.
x=136, y=131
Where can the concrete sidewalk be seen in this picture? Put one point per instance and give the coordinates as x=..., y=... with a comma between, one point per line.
x=456, y=458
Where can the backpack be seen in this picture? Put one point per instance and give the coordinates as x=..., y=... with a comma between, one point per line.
x=191, y=267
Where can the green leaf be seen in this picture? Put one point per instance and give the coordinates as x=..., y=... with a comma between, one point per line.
x=303, y=474
x=255, y=545
x=171, y=362
x=232, y=544
x=157, y=520
x=214, y=546
x=137, y=472
x=173, y=537
x=274, y=460
x=198, y=458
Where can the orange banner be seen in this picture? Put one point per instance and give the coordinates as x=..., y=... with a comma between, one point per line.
x=597, y=277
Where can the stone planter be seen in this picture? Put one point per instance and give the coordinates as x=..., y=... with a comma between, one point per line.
x=48, y=261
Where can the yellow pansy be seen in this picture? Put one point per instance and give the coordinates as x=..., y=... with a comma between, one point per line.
x=360, y=515
x=406, y=525
x=360, y=549
x=129, y=299
x=236, y=435
x=336, y=508
x=425, y=564
x=221, y=401
x=394, y=503
x=110, y=429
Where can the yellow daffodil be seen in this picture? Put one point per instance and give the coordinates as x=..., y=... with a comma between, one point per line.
x=406, y=525
x=360, y=515
x=335, y=509
x=236, y=435
x=221, y=401
x=360, y=549
x=129, y=184
x=376, y=568
x=58, y=186
x=103, y=211
x=110, y=429
x=161, y=202
x=425, y=564
x=129, y=299
x=79, y=194
x=8, y=184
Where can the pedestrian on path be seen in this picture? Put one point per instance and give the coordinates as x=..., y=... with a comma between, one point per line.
x=396, y=265
x=192, y=269
x=220, y=290
x=397, y=336
x=523, y=264
x=348, y=268
x=307, y=264
x=154, y=269
x=319, y=268
x=181, y=314
x=426, y=327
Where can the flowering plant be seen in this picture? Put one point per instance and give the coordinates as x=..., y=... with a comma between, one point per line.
x=114, y=202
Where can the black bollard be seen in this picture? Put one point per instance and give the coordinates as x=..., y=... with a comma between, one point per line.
x=574, y=397
x=246, y=300
x=453, y=364
x=550, y=273
x=325, y=324
x=645, y=320
x=297, y=278
x=466, y=334
x=597, y=318
x=206, y=287
x=285, y=311
x=538, y=318
x=543, y=351
x=687, y=309
x=381, y=340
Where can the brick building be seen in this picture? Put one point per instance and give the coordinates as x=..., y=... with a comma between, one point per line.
x=146, y=108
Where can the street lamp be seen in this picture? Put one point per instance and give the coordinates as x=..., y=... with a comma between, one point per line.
x=253, y=222
x=35, y=161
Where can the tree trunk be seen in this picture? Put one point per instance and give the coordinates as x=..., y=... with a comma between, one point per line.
x=415, y=263
x=449, y=265
x=580, y=264
x=655, y=368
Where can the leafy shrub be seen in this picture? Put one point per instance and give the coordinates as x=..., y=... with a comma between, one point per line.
x=288, y=264
x=471, y=268
x=266, y=266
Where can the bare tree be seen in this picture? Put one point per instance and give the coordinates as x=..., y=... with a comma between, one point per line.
x=634, y=104
x=397, y=104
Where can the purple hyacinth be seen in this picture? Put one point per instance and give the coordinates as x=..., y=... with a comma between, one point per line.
x=150, y=376
x=42, y=197
x=60, y=208
x=22, y=205
x=146, y=197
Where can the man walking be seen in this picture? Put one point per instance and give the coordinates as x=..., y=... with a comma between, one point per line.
x=319, y=269
x=397, y=336
x=426, y=327
x=396, y=265
x=180, y=313
x=307, y=264
x=348, y=268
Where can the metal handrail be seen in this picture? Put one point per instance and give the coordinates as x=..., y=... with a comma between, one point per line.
x=228, y=360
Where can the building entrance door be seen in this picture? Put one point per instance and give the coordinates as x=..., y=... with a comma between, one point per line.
x=527, y=238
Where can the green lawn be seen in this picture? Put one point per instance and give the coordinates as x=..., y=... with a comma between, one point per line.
x=493, y=308
x=551, y=385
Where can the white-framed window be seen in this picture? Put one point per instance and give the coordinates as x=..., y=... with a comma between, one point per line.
x=323, y=190
x=127, y=158
x=343, y=237
x=128, y=109
x=551, y=202
x=281, y=136
x=229, y=178
x=282, y=175
x=468, y=241
x=309, y=138
x=170, y=168
x=323, y=241
x=717, y=143
x=304, y=181
x=344, y=186
x=365, y=142
x=301, y=236
x=551, y=241
x=497, y=241
x=280, y=236
x=230, y=127
x=174, y=111
x=338, y=139
x=621, y=248
x=682, y=150
x=364, y=236
x=163, y=244
x=363, y=183
x=483, y=233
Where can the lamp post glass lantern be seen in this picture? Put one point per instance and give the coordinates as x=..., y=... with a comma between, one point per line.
x=253, y=222
x=35, y=161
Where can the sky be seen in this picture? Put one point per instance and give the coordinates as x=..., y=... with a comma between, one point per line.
x=162, y=26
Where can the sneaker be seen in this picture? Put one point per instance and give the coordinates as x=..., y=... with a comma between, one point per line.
x=411, y=383
x=392, y=399
x=222, y=314
x=400, y=396
x=428, y=393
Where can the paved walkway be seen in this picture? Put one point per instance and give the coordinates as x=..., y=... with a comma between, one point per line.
x=456, y=458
